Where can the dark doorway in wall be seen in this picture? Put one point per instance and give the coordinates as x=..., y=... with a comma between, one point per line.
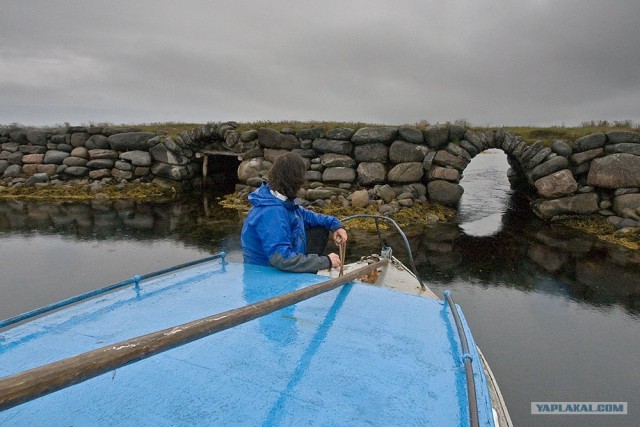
x=221, y=172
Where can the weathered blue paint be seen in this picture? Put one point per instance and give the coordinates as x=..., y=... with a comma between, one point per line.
x=134, y=280
x=358, y=355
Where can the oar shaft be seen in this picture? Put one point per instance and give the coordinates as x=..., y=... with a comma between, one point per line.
x=37, y=382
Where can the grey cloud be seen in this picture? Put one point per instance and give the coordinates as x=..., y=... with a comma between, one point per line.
x=490, y=62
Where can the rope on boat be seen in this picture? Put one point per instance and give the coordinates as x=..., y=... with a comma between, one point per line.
x=342, y=249
x=384, y=247
x=33, y=383
x=135, y=280
x=471, y=385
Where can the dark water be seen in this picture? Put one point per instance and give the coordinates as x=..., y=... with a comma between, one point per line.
x=557, y=314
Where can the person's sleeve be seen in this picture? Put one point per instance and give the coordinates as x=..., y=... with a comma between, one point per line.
x=276, y=244
x=314, y=219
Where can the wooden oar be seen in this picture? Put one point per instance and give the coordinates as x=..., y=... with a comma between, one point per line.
x=31, y=384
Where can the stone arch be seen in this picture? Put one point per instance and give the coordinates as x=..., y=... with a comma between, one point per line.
x=446, y=164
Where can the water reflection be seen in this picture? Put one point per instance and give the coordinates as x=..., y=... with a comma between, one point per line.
x=122, y=219
x=54, y=250
x=551, y=293
x=517, y=256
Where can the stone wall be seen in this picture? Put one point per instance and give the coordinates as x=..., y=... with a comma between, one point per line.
x=392, y=167
x=395, y=167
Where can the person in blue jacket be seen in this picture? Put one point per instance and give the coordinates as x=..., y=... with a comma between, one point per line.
x=277, y=229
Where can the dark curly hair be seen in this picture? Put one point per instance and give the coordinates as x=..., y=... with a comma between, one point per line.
x=287, y=174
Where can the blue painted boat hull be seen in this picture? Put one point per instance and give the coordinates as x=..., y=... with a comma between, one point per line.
x=358, y=355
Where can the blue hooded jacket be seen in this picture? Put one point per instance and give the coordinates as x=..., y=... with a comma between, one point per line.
x=274, y=233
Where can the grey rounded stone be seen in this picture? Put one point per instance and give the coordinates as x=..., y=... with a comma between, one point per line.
x=55, y=157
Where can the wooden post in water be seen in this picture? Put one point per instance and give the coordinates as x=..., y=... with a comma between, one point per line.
x=31, y=384
x=205, y=170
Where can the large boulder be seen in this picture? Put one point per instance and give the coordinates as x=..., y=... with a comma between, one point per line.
x=406, y=172
x=33, y=158
x=332, y=146
x=538, y=158
x=583, y=204
x=436, y=136
x=37, y=137
x=444, y=158
x=386, y=193
x=343, y=134
x=270, y=138
x=10, y=146
x=444, y=193
x=558, y=184
x=478, y=139
x=249, y=135
x=459, y=151
x=3, y=166
x=37, y=178
x=428, y=160
x=79, y=139
x=360, y=199
x=469, y=147
x=531, y=151
x=311, y=133
x=74, y=161
x=76, y=171
x=368, y=135
x=561, y=148
x=371, y=173
x=12, y=171
x=120, y=174
x=272, y=154
x=318, y=194
x=376, y=152
x=448, y=174
x=250, y=169
x=625, y=203
x=32, y=149
x=130, y=141
x=14, y=158
x=137, y=157
x=313, y=176
x=456, y=132
x=623, y=147
x=101, y=164
x=621, y=137
x=339, y=174
x=100, y=153
x=55, y=157
x=102, y=142
x=550, y=166
x=411, y=135
x=586, y=156
x=18, y=135
x=402, y=152
x=589, y=142
x=161, y=153
x=81, y=152
x=615, y=171
x=332, y=160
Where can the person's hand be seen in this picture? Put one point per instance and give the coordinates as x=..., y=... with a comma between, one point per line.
x=335, y=260
x=340, y=236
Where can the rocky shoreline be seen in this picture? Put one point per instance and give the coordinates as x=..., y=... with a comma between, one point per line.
x=382, y=169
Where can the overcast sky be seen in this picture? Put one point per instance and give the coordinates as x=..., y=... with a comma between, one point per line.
x=500, y=62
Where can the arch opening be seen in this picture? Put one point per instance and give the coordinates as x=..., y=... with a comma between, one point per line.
x=221, y=172
x=487, y=194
